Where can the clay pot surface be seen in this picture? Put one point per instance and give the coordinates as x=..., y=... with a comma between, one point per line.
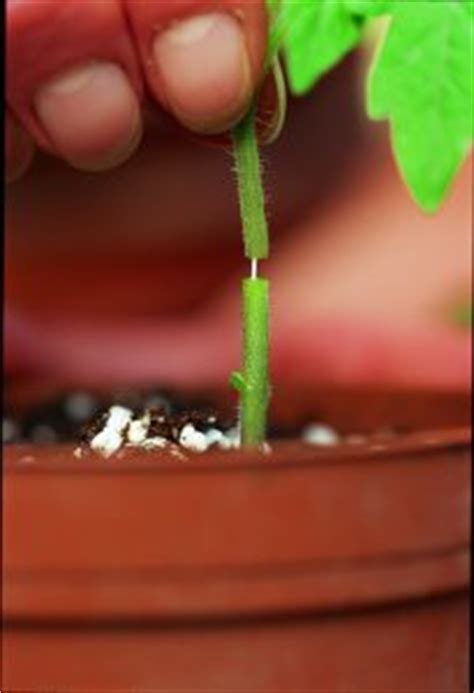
x=342, y=568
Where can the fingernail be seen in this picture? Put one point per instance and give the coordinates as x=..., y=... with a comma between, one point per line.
x=91, y=115
x=205, y=71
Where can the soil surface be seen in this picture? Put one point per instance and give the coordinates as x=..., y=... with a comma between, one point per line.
x=79, y=416
x=153, y=420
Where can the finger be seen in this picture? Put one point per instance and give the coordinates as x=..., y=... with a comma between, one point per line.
x=19, y=149
x=202, y=61
x=73, y=80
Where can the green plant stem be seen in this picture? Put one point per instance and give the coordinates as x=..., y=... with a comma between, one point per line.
x=252, y=382
x=251, y=196
x=255, y=387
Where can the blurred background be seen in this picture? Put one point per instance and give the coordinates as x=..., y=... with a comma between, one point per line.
x=134, y=275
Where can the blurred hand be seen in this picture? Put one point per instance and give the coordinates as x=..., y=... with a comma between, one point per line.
x=79, y=73
x=363, y=291
x=133, y=275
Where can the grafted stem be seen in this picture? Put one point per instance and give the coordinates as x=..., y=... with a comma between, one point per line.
x=252, y=382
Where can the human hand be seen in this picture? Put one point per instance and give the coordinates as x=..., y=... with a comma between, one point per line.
x=363, y=291
x=363, y=284
x=80, y=73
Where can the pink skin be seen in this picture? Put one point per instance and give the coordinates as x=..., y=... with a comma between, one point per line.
x=199, y=354
x=78, y=72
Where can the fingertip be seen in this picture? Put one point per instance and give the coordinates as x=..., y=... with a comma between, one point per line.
x=91, y=115
x=203, y=64
x=49, y=40
x=205, y=71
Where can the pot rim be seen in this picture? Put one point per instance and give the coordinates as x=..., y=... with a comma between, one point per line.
x=59, y=458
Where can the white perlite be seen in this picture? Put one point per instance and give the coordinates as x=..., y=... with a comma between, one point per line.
x=195, y=440
x=138, y=430
x=121, y=429
x=231, y=439
x=191, y=439
x=110, y=438
x=154, y=443
x=225, y=440
x=215, y=437
x=320, y=434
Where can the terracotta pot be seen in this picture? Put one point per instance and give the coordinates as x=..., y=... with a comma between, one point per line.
x=335, y=569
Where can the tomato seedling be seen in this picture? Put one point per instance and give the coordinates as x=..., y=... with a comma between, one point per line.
x=421, y=81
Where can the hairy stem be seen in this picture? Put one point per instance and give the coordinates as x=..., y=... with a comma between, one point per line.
x=252, y=382
x=255, y=389
x=251, y=197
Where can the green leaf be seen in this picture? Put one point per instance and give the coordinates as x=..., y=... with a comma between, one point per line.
x=317, y=34
x=422, y=83
x=369, y=8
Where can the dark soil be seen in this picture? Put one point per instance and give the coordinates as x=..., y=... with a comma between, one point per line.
x=78, y=416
